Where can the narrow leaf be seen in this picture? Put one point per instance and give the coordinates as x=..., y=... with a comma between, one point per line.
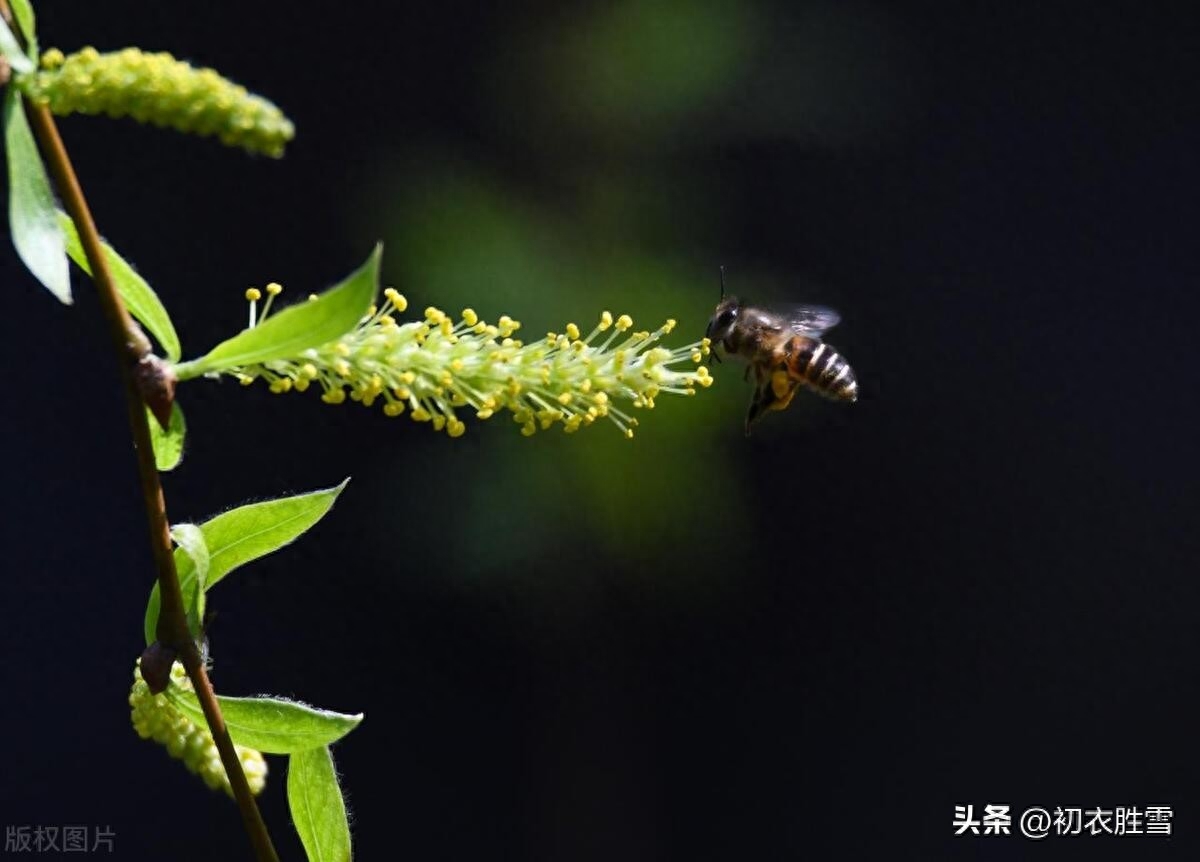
x=307, y=324
x=190, y=540
x=192, y=583
x=10, y=48
x=168, y=444
x=273, y=725
x=317, y=807
x=23, y=11
x=31, y=212
x=241, y=535
x=141, y=300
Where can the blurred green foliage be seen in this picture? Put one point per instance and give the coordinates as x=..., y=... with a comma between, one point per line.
x=582, y=192
x=636, y=70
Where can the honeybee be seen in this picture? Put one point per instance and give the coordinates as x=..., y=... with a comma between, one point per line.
x=783, y=346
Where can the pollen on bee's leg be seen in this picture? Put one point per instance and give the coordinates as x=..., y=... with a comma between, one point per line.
x=782, y=403
x=782, y=385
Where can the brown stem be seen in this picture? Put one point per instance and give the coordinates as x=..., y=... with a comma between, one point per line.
x=133, y=347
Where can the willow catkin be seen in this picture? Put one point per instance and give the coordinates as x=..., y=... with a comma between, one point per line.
x=155, y=717
x=160, y=90
x=439, y=369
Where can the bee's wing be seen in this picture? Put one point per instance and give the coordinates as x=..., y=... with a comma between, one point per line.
x=809, y=319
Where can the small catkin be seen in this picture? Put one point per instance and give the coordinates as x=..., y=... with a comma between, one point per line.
x=155, y=717
x=163, y=91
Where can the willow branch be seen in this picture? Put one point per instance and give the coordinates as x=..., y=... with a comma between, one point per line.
x=133, y=353
x=133, y=347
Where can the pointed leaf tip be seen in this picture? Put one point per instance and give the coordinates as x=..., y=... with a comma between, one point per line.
x=285, y=334
x=274, y=725
x=244, y=534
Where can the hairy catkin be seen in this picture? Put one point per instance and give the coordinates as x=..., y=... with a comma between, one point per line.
x=163, y=91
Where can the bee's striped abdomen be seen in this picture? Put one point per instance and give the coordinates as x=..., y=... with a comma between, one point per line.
x=821, y=368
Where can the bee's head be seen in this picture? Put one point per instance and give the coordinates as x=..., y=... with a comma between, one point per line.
x=723, y=319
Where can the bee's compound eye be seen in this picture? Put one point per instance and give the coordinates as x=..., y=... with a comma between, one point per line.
x=726, y=317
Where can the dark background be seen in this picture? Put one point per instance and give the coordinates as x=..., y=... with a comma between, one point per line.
x=977, y=585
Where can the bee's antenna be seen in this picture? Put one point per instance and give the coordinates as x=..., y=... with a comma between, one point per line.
x=722, y=281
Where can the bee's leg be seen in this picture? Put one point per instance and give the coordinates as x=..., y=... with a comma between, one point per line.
x=759, y=404
x=774, y=392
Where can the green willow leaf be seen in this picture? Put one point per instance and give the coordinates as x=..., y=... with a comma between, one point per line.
x=273, y=725
x=192, y=566
x=318, y=810
x=248, y=532
x=23, y=12
x=168, y=444
x=190, y=540
x=241, y=535
x=141, y=300
x=287, y=333
x=32, y=215
x=10, y=49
